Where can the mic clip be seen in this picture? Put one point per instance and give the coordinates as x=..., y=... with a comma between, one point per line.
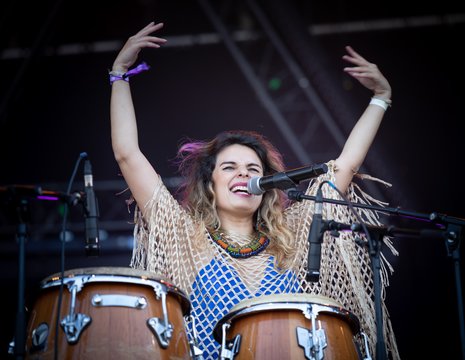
x=283, y=182
x=75, y=198
x=294, y=194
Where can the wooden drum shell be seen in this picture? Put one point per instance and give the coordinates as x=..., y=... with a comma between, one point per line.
x=268, y=327
x=115, y=332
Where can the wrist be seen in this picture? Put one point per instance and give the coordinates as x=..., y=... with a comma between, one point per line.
x=387, y=100
x=383, y=103
x=383, y=95
x=119, y=68
x=117, y=73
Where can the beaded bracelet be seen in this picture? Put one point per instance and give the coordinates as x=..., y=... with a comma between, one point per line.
x=380, y=102
x=119, y=75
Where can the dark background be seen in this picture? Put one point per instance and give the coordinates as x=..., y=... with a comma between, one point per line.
x=54, y=96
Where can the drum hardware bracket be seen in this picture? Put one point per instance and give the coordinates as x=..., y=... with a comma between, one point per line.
x=367, y=348
x=196, y=353
x=73, y=324
x=313, y=350
x=159, y=290
x=312, y=341
x=162, y=332
x=229, y=349
x=135, y=302
x=162, y=329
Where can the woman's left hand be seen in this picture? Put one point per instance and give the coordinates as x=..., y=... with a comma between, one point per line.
x=367, y=74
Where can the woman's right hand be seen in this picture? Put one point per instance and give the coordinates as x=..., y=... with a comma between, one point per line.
x=128, y=54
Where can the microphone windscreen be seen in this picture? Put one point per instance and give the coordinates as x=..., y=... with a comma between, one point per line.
x=253, y=186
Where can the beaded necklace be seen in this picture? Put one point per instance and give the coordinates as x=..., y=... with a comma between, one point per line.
x=257, y=245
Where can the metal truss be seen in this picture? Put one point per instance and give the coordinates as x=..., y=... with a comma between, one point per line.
x=281, y=84
x=261, y=64
x=279, y=70
x=272, y=66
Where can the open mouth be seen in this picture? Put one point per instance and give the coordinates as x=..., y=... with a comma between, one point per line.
x=240, y=189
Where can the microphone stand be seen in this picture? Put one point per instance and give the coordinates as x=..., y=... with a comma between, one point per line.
x=23, y=215
x=18, y=197
x=451, y=231
x=375, y=242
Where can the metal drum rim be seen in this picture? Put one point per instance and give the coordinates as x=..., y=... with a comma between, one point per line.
x=262, y=306
x=121, y=275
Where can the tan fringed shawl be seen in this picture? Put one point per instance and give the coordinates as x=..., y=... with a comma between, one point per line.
x=165, y=246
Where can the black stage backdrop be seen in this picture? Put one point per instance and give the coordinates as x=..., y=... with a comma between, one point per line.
x=55, y=105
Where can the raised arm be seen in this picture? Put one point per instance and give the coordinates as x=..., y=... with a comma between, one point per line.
x=136, y=169
x=362, y=135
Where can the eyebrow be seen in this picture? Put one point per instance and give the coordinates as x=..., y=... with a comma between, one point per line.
x=234, y=163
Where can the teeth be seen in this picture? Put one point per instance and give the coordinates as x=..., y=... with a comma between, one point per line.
x=239, y=188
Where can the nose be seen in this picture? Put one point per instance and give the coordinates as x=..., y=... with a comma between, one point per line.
x=243, y=172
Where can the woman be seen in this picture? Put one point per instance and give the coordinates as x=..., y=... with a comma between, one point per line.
x=223, y=245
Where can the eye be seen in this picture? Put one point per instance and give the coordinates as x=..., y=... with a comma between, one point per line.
x=229, y=167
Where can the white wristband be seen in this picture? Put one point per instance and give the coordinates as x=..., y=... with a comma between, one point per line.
x=380, y=102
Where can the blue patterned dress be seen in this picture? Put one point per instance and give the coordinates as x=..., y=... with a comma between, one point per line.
x=212, y=301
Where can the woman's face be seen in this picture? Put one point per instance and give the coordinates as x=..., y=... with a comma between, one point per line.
x=235, y=165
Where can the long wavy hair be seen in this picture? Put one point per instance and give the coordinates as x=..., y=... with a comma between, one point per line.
x=196, y=161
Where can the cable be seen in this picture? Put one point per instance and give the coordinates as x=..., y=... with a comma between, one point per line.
x=375, y=264
x=356, y=214
x=82, y=156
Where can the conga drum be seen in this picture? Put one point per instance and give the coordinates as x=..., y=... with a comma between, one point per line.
x=288, y=326
x=108, y=313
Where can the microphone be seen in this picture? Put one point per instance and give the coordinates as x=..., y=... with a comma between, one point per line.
x=284, y=180
x=315, y=237
x=91, y=212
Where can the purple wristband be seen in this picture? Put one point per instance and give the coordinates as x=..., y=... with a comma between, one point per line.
x=114, y=78
x=125, y=77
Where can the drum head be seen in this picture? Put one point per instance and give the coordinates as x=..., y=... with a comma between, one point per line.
x=119, y=274
x=109, y=270
x=287, y=298
x=287, y=302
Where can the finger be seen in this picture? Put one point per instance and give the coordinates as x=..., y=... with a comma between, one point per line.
x=158, y=26
x=359, y=73
x=146, y=41
x=150, y=41
x=149, y=29
x=355, y=61
x=364, y=68
x=156, y=39
x=354, y=54
x=144, y=30
x=351, y=50
x=147, y=44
